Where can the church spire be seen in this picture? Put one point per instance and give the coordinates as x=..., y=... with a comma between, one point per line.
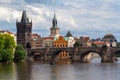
x=24, y=18
x=54, y=21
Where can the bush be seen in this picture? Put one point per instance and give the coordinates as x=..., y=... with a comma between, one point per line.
x=20, y=53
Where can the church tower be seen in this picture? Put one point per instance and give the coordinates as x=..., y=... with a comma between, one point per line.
x=54, y=30
x=24, y=30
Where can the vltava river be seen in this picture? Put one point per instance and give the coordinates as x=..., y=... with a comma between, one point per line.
x=75, y=71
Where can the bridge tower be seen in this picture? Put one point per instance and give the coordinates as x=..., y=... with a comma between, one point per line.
x=24, y=30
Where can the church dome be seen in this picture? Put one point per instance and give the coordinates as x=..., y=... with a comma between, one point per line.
x=109, y=38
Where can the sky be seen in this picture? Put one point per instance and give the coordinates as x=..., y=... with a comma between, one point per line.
x=93, y=18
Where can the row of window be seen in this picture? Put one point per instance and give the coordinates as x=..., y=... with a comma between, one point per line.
x=59, y=46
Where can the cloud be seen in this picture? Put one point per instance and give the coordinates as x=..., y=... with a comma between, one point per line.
x=82, y=17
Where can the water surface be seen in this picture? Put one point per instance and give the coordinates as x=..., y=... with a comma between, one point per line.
x=76, y=71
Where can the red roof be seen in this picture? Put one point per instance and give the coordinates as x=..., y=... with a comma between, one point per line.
x=100, y=42
x=51, y=38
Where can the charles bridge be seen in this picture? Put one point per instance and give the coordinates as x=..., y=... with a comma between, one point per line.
x=107, y=54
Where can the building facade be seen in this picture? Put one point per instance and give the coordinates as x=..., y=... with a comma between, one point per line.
x=60, y=42
x=71, y=40
x=63, y=57
x=47, y=41
x=84, y=41
x=24, y=30
x=36, y=41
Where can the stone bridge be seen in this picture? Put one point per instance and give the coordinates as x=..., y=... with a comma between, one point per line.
x=107, y=54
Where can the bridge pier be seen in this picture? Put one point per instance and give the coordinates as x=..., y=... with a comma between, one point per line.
x=107, y=56
x=108, y=59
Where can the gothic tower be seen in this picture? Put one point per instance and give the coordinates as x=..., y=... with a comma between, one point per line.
x=54, y=30
x=24, y=30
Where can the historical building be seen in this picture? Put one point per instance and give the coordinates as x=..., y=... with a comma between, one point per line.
x=60, y=42
x=63, y=57
x=47, y=41
x=110, y=40
x=54, y=34
x=10, y=33
x=84, y=41
x=71, y=40
x=54, y=30
x=98, y=43
x=24, y=30
x=36, y=41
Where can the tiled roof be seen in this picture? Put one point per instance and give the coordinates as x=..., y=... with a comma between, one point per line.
x=46, y=38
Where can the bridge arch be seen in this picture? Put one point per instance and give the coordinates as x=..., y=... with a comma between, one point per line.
x=36, y=55
x=85, y=59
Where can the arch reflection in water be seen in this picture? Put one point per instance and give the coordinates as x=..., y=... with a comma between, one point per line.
x=90, y=57
x=63, y=58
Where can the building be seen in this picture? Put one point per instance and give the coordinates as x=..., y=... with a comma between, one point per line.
x=84, y=41
x=47, y=41
x=60, y=42
x=54, y=34
x=36, y=41
x=110, y=40
x=24, y=30
x=63, y=57
x=10, y=33
x=71, y=40
x=99, y=43
x=54, y=30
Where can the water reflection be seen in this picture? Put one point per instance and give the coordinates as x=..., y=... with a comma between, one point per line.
x=23, y=71
x=64, y=61
x=7, y=71
x=75, y=71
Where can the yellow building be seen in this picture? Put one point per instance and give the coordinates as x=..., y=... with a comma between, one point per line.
x=63, y=57
x=60, y=43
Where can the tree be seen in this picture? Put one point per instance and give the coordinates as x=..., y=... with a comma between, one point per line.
x=7, y=46
x=77, y=44
x=20, y=53
x=6, y=55
x=94, y=45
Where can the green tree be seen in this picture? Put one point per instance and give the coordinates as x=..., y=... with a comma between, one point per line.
x=9, y=42
x=7, y=46
x=2, y=41
x=20, y=53
x=94, y=45
x=77, y=44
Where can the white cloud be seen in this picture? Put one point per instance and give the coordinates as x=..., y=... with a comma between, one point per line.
x=82, y=17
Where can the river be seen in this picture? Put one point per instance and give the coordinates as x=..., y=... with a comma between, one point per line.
x=75, y=71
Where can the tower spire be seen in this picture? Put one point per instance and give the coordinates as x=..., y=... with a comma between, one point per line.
x=24, y=18
x=54, y=21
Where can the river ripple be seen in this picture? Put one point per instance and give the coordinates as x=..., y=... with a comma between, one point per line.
x=75, y=71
